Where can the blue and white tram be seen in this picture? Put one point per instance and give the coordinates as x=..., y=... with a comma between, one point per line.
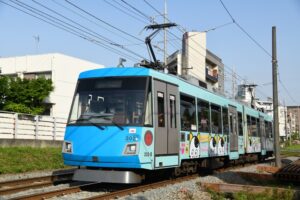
x=125, y=123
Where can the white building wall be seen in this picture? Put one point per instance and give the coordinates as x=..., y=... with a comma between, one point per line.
x=194, y=54
x=282, y=111
x=65, y=71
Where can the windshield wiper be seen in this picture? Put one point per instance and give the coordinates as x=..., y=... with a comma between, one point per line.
x=117, y=125
x=87, y=119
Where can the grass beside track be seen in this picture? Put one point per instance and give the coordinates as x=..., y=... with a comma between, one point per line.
x=292, y=150
x=25, y=159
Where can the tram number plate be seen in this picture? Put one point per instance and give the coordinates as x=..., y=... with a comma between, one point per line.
x=131, y=138
x=148, y=154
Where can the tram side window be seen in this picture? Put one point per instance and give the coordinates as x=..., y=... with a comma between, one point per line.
x=160, y=109
x=253, y=126
x=216, y=124
x=225, y=121
x=240, y=120
x=187, y=113
x=172, y=103
x=249, y=125
x=258, y=127
x=267, y=131
x=271, y=129
x=203, y=116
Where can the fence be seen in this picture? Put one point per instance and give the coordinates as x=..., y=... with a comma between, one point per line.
x=24, y=126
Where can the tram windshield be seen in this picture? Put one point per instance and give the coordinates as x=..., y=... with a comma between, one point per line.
x=111, y=101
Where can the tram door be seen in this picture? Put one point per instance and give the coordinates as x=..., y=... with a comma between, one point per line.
x=166, y=116
x=262, y=132
x=233, y=130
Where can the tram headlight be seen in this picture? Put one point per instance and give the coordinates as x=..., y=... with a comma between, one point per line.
x=131, y=148
x=67, y=147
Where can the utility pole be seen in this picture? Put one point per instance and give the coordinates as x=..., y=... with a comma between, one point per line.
x=165, y=38
x=275, y=99
x=233, y=83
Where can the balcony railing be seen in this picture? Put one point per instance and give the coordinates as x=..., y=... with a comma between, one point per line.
x=212, y=75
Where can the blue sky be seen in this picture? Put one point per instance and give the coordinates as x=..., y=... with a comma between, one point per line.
x=236, y=50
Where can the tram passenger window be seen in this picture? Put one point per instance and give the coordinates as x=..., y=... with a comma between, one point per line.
x=253, y=126
x=249, y=125
x=160, y=109
x=203, y=116
x=270, y=129
x=225, y=121
x=172, y=111
x=258, y=127
x=267, y=131
x=216, y=124
x=240, y=120
x=187, y=113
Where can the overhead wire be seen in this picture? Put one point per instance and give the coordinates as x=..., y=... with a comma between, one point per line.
x=101, y=20
x=89, y=20
x=182, y=29
x=60, y=25
x=95, y=34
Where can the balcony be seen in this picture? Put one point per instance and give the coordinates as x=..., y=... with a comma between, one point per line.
x=211, y=75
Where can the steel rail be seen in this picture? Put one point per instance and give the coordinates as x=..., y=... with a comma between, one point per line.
x=10, y=187
x=54, y=193
x=141, y=188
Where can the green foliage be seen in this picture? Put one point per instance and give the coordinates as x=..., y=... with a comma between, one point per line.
x=4, y=88
x=24, y=96
x=25, y=159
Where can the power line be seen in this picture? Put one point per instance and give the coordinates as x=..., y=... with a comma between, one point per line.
x=125, y=12
x=89, y=20
x=244, y=31
x=65, y=28
x=97, y=35
x=286, y=90
x=106, y=23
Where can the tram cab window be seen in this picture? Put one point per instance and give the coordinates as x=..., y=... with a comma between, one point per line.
x=203, y=116
x=187, y=113
x=216, y=125
x=240, y=120
x=148, y=110
x=225, y=121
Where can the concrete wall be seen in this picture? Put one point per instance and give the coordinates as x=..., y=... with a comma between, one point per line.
x=29, y=143
x=22, y=126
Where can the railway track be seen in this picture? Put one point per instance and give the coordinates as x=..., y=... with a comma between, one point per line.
x=24, y=184
x=11, y=187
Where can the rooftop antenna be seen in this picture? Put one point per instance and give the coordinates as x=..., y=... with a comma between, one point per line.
x=37, y=41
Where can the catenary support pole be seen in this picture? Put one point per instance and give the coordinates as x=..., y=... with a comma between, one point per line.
x=275, y=100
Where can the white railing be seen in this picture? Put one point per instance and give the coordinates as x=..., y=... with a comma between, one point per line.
x=24, y=126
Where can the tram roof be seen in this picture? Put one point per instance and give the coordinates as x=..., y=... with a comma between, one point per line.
x=185, y=86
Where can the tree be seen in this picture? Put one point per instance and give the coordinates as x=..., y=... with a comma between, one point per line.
x=3, y=90
x=25, y=96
